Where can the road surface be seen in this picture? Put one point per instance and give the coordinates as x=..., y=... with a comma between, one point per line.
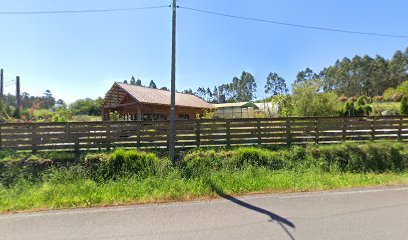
x=371, y=213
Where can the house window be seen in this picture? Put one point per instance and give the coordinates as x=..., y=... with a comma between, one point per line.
x=154, y=116
x=184, y=116
x=159, y=116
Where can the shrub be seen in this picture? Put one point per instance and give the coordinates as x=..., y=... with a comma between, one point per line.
x=361, y=106
x=397, y=97
x=201, y=161
x=130, y=162
x=378, y=98
x=389, y=93
x=403, y=88
x=23, y=166
x=94, y=165
x=259, y=157
x=342, y=99
x=404, y=105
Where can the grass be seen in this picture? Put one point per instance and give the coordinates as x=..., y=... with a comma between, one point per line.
x=118, y=178
x=88, y=193
x=384, y=106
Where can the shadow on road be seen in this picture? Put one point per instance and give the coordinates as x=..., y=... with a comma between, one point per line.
x=283, y=222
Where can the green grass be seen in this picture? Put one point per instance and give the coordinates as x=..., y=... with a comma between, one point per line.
x=61, y=180
x=173, y=187
x=384, y=106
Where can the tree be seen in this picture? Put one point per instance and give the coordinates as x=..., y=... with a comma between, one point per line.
x=49, y=100
x=60, y=103
x=125, y=81
x=305, y=75
x=209, y=95
x=240, y=89
x=132, y=80
x=188, y=91
x=152, y=84
x=364, y=75
x=215, y=95
x=201, y=93
x=275, y=85
x=86, y=106
x=139, y=82
x=398, y=68
x=164, y=88
x=307, y=100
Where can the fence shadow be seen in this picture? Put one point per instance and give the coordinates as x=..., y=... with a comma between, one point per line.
x=283, y=222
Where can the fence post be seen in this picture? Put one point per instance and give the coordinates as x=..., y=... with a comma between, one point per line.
x=344, y=127
x=228, y=132
x=33, y=138
x=139, y=127
x=400, y=128
x=198, y=132
x=288, y=135
x=258, y=126
x=373, y=129
x=316, y=131
x=108, y=137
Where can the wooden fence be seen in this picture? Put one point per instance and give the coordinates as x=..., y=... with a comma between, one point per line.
x=73, y=136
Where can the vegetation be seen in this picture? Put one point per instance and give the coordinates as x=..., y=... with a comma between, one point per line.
x=404, y=105
x=308, y=101
x=61, y=180
x=86, y=106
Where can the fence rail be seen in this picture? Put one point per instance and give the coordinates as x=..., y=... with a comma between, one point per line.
x=73, y=136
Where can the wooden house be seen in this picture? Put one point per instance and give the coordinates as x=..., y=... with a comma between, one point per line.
x=133, y=102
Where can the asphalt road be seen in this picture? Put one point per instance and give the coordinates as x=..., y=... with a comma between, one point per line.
x=373, y=213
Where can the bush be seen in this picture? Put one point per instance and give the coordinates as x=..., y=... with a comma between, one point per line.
x=397, y=97
x=404, y=105
x=389, y=93
x=260, y=157
x=23, y=166
x=367, y=157
x=378, y=98
x=201, y=161
x=342, y=99
x=124, y=163
x=94, y=164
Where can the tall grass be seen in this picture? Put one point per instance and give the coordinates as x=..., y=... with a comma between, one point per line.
x=124, y=176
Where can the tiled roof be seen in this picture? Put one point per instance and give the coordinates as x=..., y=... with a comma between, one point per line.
x=162, y=97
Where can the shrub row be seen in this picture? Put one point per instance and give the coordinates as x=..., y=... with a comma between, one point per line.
x=351, y=157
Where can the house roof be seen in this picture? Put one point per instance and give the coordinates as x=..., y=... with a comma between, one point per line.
x=239, y=104
x=161, y=97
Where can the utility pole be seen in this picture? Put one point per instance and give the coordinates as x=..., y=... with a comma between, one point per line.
x=18, y=94
x=172, y=136
x=1, y=83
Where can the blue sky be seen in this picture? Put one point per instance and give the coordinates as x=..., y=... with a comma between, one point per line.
x=81, y=55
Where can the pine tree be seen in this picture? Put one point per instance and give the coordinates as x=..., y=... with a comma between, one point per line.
x=139, y=82
x=152, y=84
x=132, y=80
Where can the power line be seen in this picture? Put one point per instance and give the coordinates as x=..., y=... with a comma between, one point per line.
x=295, y=25
x=81, y=11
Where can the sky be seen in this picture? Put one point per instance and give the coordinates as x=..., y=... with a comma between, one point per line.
x=82, y=55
